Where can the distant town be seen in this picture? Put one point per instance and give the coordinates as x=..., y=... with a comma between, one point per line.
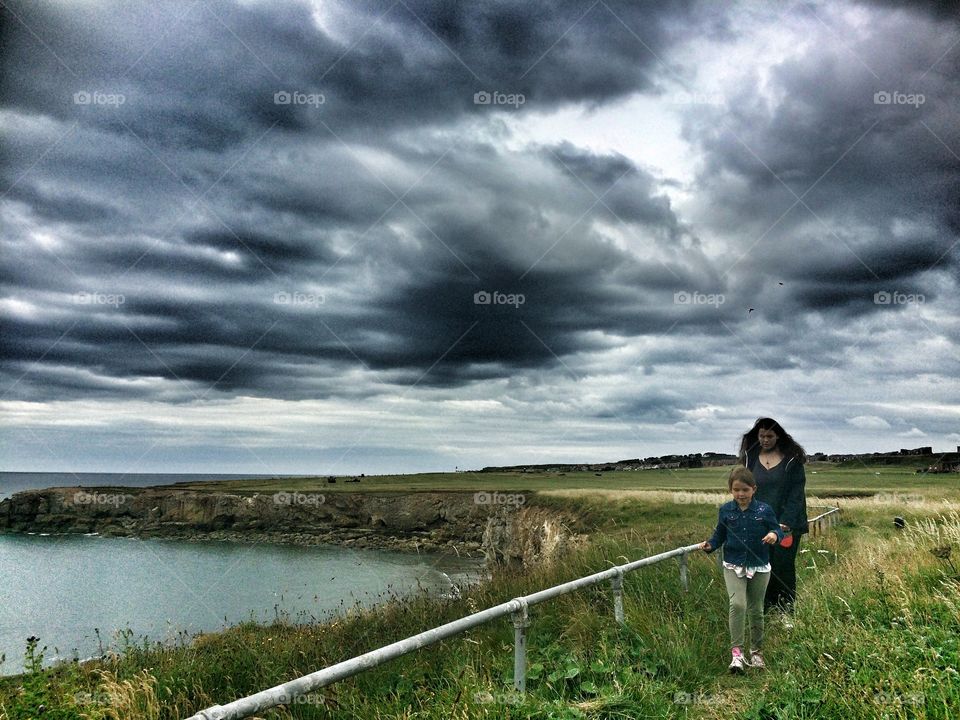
x=923, y=457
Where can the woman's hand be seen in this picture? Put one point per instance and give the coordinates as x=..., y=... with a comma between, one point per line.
x=705, y=546
x=770, y=538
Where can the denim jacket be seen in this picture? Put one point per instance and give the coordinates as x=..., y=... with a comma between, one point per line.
x=742, y=532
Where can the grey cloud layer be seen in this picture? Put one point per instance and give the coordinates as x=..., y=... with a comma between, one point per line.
x=275, y=250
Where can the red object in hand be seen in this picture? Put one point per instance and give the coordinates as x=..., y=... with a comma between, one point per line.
x=787, y=540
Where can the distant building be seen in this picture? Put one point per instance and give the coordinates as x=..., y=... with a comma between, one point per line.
x=947, y=462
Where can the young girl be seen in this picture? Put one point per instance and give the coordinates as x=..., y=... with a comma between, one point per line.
x=748, y=528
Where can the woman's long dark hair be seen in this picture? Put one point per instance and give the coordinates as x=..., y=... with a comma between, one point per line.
x=750, y=442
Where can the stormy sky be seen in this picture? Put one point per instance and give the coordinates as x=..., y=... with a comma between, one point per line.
x=344, y=237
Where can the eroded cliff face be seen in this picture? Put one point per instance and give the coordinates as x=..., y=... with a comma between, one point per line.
x=529, y=534
x=447, y=521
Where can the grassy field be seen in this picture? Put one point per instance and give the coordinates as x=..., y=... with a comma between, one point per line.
x=823, y=479
x=876, y=636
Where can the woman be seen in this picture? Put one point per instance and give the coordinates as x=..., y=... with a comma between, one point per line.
x=776, y=461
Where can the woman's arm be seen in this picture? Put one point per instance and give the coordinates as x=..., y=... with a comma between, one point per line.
x=794, y=509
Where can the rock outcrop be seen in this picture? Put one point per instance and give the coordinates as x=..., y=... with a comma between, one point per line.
x=528, y=535
x=472, y=524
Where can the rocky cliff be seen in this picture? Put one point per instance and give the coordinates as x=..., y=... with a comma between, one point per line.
x=516, y=532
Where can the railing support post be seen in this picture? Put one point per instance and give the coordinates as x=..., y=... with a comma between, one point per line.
x=684, y=581
x=616, y=584
x=521, y=621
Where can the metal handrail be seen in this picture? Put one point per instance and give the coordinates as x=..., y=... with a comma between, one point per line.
x=517, y=608
x=818, y=525
x=831, y=510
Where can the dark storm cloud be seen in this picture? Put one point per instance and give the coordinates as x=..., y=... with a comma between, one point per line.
x=420, y=310
x=649, y=406
x=272, y=249
x=946, y=10
x=873, y=182
x=60, y=208
x=636, y=200
x=203, y=75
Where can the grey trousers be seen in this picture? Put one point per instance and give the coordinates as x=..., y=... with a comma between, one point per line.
x=746, y=604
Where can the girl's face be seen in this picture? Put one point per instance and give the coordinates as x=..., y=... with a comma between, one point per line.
x=767, y=438
x=742, y=492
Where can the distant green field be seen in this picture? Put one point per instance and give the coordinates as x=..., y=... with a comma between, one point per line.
x=823, y=480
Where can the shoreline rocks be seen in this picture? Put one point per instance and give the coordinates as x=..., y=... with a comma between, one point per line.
x=451, y=522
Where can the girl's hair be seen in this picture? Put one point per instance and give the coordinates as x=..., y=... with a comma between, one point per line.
x=743, y=475
x=750, y=442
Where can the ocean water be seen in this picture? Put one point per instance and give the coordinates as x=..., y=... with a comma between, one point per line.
x=82, y=595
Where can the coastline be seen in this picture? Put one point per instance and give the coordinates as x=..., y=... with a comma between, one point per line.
x=450, y=522
x=366, y=541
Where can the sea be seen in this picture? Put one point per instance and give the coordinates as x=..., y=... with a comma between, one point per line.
x=86, y=595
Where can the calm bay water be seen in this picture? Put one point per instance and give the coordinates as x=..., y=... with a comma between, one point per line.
x=60, y=588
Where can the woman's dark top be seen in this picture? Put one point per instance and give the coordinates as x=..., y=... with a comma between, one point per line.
x=782, y=488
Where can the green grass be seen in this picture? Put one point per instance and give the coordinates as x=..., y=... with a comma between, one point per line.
x=822, y=479
x=877, y=633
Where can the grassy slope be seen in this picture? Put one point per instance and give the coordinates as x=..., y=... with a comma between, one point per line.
x=821, y=478
x=877, y=633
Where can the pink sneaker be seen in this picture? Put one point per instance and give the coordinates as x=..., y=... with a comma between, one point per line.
x=737, y=663
x=756, y=660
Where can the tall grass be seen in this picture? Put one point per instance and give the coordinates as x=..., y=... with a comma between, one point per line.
x=877, y=628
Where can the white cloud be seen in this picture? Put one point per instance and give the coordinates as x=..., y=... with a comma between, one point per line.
x=869, y=422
